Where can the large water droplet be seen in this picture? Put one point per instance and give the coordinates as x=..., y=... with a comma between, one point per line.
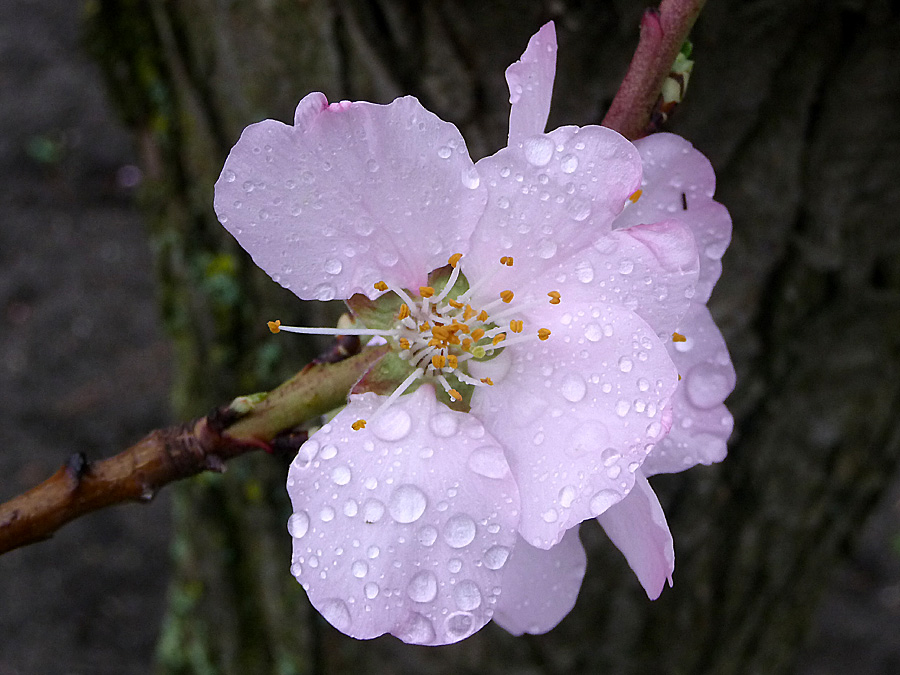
x=567, y=496
x=604, y=499
x=626, y=266
x=444, y=425
x=568, y=164
x=298, y=524
x=538, y=150
x=324, y=292
x=417, y=631
x=470, y=178
x=422, y=587
x=593, y=332
x=407, y=504
x=625, y=364
x=333, y=266
x=336, y=613
x=371, y=590
x=495, y=557
x=351, y=508
x=341, y=475
x=488, y=461
x=373, y=510
x=466, y=595
x=622, y=407
x=359, y=568
x=573, y=387
x=459, y=625
x=550, y=516
x=459, y=531
x=326, y=514
x=584, y=271
x=392, y=425
x=546, y=248
x=427, y=535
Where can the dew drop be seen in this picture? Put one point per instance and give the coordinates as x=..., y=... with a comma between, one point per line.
x=546, y=248
x=573, y=387
x=488, y=461
x=407, y=504
x=459, y=531
x=495, y=557
x=593, y=332
x=326, y=514
x=373, y=510
x=625, y=364
x=418, y=630
x=351, y=508
x=444, y=425
x=444, y=152
x=604, y=499
x=359, y=568
x=336, y=613
x=470, y=178
x=229, y=176
x=372, y=166
x=298, y=524
x=373, y=552
x=584, y=272
x=392, y=425
x=503, y=203
x=466, y=595
x=567, y=496
x=578, y=209
x=422, y=587
x=626, y=266
x=568, y=164
x=427, y=535
x=550, y=516
x=372, y=590
x=333, y=266
x=324, y=292
x=454, y=565
x=341, y=475
x=622, y=408
x=459, y=625
x=329, y=452
x=538, y=150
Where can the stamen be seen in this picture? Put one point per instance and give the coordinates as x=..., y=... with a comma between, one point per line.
x=506, y=296
x=507, y=260
x=467, y=344
x=404, y=343
x=275, y=326
x=404, y=312
x=438, y=361
x=451, y=282
x=635, y=196
x=543, y=334
x=455, y=303
x=500, y=337
x=453, y=361
x=516, y=326
x=554, y=297
x=678, y=337
x=426, y=291
x=488, y=381
x=381, y=286
x=477, y=334
x=406, y=384
x=468, y=313
x=454, y=259
x=455, y=394
x=483, y=316
x=335, y=331
x=358, y=424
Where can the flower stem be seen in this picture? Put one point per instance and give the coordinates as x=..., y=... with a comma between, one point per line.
x=663, y=32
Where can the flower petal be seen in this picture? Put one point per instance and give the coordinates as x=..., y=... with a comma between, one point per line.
x=540, y=586
x=551, y=195
x=679, y=182
x=530, y=81
x=399, y=527
x=344, y=198
x=576, y=413
x=649, y=269
x=637, y=526
x=701, y=423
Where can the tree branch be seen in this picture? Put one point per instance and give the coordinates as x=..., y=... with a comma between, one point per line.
x=663, y=32
x=166, y=455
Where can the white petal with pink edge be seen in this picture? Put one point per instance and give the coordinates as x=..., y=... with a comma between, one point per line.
x=576, y=413
x=540, y=586
x=637, y=526
x=397, y=526
x=701, y=424
x=530, y=81
x=353, y=194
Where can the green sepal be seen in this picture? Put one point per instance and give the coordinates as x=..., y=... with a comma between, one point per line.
x=439, y=278
x=380, y=313
x=384, y=376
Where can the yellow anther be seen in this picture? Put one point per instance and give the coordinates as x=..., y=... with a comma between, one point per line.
x=438, y=361
x=483, y=316
x=404, y=311
x=498, y=338
x=507, y=296
x=426, y=291
x=488, y=381
x=453, y=361
x=461, y=327
x=453, y=340
x=381, y=286
x=478, y=333
x=468, y=313
x=516, y=325
x=454, y=259
x=455, y=395
x=543, y=333
x=507, y=260
x=455, y=303
x=554, y=297
x=275, y=326
x=424, y=326
x=679, y=378
x=434, y=342
x=358, y=424
x=678, y=337
x=404, y=343
x=635, y=196
x=467, y=344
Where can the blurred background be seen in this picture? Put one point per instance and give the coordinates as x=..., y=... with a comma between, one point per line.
x=124, y=306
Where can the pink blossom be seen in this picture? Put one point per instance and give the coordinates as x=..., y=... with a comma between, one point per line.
x=452, y=497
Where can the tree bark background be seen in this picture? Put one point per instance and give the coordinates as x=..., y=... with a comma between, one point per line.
x=796, y=105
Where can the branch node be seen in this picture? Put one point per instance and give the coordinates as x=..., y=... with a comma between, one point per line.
x=76, y=467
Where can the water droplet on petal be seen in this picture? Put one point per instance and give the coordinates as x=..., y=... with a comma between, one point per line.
x=546, y=248
x=578, y=209
x=604, y=499
x=427, y=535
x=333, y=266
x=326, y=514
x=573, y=387
x=584, y=271
x=336, y=613
x=444, y=425
x=538, y=150
x=324, y=292
x=488, y=461
x=372, y=166
x=444, y=152
x=622, y=407
x=568, y=164
x=341, y=475
x=550, y=516
x=625, y=364
x=351, y=508
x=593, y=332
x=707, y=385
x=371, y=589
x=407, y=504
x=373, y=510
x=392, y=425
x=418, y=630
x=503, y=203
x=567, y=496
x=466, y=595
x=298, y=524
x=229, y=176
x=359, y=568
x=459, y=625
x=459, y=531
x=626, y=266
x=422, y=587
x=495, y=557
x=470, y=178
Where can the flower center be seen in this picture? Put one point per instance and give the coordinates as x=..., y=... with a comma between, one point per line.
x=441, y=330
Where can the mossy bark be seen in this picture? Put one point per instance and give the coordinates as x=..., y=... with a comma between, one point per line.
x=794, y=103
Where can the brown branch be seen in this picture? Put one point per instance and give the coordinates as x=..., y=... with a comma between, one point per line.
x=663, y=32
x=166, y=455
